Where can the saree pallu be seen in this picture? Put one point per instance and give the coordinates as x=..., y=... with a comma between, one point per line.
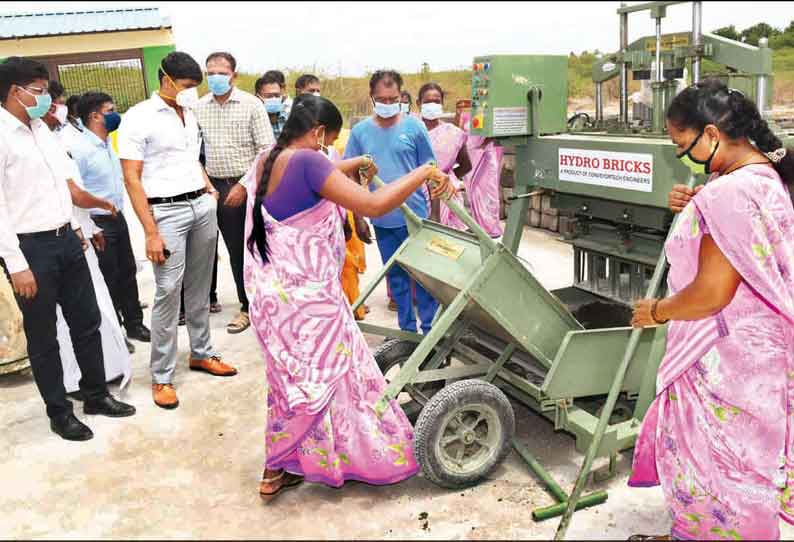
x=718, y=436
x=447, y=141
x=483, y=181
x=323, y=381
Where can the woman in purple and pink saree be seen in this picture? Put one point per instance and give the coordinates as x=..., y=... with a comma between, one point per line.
x=449, y=146
x=323, y=382
x=718, y=437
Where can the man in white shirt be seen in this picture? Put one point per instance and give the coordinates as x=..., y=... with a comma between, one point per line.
x=41, y=252
x=159, y=147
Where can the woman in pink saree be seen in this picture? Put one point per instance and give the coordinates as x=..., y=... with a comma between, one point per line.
x=482, y=182
x=719, y=436
x=323, y=382
x=449, y=146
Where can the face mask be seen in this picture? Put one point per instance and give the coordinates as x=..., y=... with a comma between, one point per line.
x=432, y=111
x=698, y=167
x=187, y=97
x=112, y=121
x=43, y=103
x=321, y=142
x=387, y=111
x=405, y=108
x=219, y=84
x=274, y=105
x=61, y=112
x=316, y=93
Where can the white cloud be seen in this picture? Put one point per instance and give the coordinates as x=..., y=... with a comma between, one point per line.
x=355, y=36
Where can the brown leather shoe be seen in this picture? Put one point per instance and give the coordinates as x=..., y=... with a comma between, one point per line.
x=164, y=395
x=213, y=366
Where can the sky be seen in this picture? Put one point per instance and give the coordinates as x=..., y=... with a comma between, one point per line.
x=350, y=38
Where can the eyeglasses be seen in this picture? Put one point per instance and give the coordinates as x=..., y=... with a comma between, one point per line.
x=387, y=100
x=36, y=90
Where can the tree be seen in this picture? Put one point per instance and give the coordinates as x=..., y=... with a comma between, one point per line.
x=761, y=30
x=728, y=32
x=784, y=39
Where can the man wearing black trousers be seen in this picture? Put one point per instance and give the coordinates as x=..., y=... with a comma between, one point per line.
x=234, y=128
x=42, y=254
x=100, y=169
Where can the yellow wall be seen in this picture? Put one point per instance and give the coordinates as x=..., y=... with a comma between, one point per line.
x=85, y=43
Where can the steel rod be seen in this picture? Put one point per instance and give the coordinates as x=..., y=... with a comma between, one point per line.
x=697, y=38
x=624, y=69
x=614, y=392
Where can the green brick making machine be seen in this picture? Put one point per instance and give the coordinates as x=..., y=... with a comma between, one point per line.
x=569, y=354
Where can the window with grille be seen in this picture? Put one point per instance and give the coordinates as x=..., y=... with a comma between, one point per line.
x=122, y=79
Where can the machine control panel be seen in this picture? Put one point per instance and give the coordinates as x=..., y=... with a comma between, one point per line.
x=502, y=90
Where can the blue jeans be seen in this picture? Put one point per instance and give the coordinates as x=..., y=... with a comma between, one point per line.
x=389, y=240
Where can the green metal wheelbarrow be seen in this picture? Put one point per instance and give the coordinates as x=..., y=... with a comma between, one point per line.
x=499, y=333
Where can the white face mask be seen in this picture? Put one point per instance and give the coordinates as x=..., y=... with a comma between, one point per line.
x=432, y=111
x=61, y=112
x=316, y=93
x=187, y=98
x=405, y=108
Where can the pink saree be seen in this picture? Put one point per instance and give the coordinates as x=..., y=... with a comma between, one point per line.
x=718, y=436
x=323, y=382
x=482, y=182
x=447, y=140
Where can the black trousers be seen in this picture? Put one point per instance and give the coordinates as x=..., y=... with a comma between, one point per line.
x=117, y=263
x=63, y=278
x=231, y=223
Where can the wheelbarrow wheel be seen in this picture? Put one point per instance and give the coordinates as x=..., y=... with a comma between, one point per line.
x=390, y=357
x=463, y=433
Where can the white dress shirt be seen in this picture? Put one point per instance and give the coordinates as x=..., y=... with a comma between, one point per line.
x=152, y=132
x=34, y=194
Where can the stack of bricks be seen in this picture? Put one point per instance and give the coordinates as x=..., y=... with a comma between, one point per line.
x=542, y=214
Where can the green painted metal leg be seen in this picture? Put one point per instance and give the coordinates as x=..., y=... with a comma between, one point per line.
x=548, y=512
x=648, y=382
x=614, y=392
x=497, y=366
x=437, y=332
x=516, y=218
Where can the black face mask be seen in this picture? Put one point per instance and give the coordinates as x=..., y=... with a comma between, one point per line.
x=698, y=166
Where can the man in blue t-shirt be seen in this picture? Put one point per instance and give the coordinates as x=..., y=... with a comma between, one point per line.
x=399, y=144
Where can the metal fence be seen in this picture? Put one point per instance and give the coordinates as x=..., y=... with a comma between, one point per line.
x=122, y=79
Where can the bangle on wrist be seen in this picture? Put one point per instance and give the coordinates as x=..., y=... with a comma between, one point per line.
x=654, y=316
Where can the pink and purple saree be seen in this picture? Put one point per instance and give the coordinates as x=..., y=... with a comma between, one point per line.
x=719, y=436
x=323, y=382
x=482, y=182
x=447, y=140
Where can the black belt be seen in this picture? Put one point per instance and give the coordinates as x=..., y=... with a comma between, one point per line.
x=57, y=232
x=226, y=179
x=180, y=197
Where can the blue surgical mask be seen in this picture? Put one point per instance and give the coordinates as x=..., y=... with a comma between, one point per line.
x=387, y=111
x=43, y=103
x=219, y=83
x=112, y=121
x=405, y=108
x=274, y=105
x=432, y=111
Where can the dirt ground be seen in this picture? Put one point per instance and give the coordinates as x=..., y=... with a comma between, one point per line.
x=193, y=472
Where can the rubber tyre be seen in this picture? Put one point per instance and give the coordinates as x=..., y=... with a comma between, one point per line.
x=394, y=353
x=463, y=397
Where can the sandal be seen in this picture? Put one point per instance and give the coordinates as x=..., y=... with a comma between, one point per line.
x=290, y=481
